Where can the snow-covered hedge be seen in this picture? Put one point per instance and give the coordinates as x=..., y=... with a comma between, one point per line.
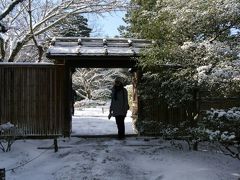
x=8, y=134
x=222, y=125
x=89, y=103
x=222, y=79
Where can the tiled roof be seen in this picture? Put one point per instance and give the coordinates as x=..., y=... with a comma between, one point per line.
x=73, y=46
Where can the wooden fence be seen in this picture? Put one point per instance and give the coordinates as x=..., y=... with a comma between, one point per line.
x=37, y=99
x=153, y=114
x=218, y=103
x=32, y=98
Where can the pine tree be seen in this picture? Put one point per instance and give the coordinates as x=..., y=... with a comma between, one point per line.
x=191, y=34
x=194, y=50
x=74, y=26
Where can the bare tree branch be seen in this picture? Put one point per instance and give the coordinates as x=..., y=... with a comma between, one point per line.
x=89, y=8
x=9, y=8
x=58, y=12
x=95, y=83
x=39, y=47
x=17, y=15
x=220, y=32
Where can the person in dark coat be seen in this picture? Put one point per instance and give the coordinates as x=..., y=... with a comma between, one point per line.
x=119, y=106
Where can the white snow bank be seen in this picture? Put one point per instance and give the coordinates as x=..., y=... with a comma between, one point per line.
x=6, y=126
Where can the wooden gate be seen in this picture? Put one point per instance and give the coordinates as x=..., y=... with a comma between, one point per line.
x=32, y=97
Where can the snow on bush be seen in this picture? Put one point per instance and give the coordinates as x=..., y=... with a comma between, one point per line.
x=223, y=125
x=218, y=125
x=223, y=72
x=89, y=103
x=8, y=134
x=6, y=140
x=6, y=126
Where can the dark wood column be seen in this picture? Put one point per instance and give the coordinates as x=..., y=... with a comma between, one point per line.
x=136, y=76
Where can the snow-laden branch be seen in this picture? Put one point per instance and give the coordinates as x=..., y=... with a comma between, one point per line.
x=17, y=15
x=94, y=6
x=9, y=8
x=61, y=11
x=55, y=11
x=95, y=83
x=39, y=47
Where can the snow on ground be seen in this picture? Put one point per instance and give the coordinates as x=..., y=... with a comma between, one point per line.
x=135, y=158
x=94, y=121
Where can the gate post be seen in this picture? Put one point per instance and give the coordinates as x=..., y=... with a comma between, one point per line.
x=2, y=174
x=136, y=76
x=68, y=105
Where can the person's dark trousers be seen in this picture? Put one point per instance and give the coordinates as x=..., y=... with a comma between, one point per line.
x=120, y=126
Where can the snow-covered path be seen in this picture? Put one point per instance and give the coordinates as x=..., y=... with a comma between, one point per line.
x=94, y=121
x=109, y=159
x=136, y=158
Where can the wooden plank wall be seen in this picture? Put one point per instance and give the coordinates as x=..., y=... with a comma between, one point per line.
x=32, y=97
x=218, y=103
x=160, y=111
x=154, y=114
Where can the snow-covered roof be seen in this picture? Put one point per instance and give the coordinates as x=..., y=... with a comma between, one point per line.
x=86, y=46
x=24, y=63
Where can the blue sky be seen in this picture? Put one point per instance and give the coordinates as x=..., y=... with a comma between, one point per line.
x=107, y=24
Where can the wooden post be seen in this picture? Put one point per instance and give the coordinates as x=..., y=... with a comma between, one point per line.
x=55, y=145
x=67, y=101
x=2, y=174
x=136, y=76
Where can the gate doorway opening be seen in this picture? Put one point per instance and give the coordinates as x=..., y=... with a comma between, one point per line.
x=92, y=91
